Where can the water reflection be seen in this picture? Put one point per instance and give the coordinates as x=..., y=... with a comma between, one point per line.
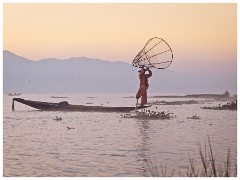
x=144, y=147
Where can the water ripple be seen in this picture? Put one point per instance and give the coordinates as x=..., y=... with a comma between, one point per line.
x=104, y=144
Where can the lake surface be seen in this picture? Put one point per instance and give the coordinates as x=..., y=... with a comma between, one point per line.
x=105, y=144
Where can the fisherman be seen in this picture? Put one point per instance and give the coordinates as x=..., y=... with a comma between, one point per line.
x=142, y=92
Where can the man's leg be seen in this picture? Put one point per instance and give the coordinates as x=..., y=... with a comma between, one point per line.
x=144, y=96
x=139, y=93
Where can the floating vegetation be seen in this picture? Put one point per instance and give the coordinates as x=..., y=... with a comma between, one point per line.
x=57, y=118
x=59, y=97
x=173, y=102
x=229, y=106
x=194, y=117
x=14, y=94
x=147, y=114
x=224, y=95
x=89, y=103
x=92, y=97
x=129, y=97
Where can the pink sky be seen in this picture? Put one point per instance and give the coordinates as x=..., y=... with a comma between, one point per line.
x=203, y=36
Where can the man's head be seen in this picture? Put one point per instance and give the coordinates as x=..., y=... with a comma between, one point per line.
x=142, y=70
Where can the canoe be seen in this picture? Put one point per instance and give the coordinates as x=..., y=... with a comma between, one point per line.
x=64, y=106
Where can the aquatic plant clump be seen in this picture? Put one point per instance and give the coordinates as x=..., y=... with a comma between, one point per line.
x=194, y=117
x=173, y=102
x=229, y=106
x=147, y=114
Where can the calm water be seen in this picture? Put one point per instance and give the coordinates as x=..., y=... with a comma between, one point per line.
x=104, y=144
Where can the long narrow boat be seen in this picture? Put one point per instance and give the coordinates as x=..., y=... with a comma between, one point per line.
x=64, y=106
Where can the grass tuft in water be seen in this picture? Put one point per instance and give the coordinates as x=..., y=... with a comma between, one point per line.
x=194, y=117
x=207, y=161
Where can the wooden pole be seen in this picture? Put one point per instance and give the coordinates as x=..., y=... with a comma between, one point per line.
x=136, y=105
x=13, y=105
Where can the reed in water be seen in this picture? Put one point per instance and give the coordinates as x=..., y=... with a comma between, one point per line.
x=208, y=166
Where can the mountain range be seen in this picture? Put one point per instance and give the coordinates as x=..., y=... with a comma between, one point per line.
x=86, y=75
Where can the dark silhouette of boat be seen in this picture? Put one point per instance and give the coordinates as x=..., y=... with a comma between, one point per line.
x=64, y=106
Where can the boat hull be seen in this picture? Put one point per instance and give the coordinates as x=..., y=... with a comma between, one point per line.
x=48, y=106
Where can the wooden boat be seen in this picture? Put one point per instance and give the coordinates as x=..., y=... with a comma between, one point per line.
x=64, y=106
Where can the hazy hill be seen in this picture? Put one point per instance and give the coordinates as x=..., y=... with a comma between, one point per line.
x=82, y=75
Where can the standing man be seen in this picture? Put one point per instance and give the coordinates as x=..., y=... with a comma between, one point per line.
x=142, y=92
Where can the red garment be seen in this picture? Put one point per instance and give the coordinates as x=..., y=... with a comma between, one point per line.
x=142, y=92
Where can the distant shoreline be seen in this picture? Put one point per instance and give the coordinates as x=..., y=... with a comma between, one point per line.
x=225, y=95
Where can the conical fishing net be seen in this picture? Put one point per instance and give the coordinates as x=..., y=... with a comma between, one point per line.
x=156, y=53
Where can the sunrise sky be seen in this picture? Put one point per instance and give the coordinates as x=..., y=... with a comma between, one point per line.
x=203, y=36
